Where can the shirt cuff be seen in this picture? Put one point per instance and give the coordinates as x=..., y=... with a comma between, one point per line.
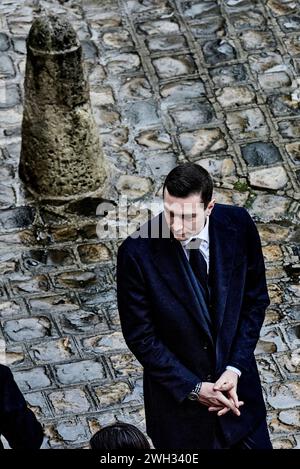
x=236, y=370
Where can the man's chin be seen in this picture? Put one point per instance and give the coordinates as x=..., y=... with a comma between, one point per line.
x=180, y=238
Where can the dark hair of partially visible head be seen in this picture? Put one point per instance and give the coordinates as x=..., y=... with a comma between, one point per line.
x=118, y=436
x=187, y=179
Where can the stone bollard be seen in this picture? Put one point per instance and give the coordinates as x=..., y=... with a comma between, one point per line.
x=61, y=154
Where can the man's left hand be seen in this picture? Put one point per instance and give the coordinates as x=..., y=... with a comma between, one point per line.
x=227, y=383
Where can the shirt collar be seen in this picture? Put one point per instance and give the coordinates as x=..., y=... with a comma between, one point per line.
x=203, y=234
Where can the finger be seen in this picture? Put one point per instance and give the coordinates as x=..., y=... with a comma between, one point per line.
x=223, y=411
x=215, y=408
x=228, y=404
x=225, y=386
x=233, y=395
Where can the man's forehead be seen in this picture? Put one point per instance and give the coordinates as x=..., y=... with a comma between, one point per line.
x=184, y=206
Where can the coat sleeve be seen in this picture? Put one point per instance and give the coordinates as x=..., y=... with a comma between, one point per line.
x=140, y=334
x=255, y=301
x=18, y=423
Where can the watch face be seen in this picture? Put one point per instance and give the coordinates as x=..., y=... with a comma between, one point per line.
x=193, y=396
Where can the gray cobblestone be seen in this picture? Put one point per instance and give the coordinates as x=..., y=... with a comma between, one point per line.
x=79, y=372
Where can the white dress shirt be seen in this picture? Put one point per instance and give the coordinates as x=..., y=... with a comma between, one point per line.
x=204, y=248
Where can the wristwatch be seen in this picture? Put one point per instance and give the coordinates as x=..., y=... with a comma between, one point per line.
x=194, y=394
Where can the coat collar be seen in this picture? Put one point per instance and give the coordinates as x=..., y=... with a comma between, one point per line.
x=169, y=262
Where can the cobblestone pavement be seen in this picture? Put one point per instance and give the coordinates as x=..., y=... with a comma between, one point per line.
x=216, y=82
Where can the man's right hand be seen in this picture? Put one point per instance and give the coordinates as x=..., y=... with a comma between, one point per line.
x=216, y=399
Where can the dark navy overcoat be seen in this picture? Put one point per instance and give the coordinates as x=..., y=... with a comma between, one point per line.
x=179, y=339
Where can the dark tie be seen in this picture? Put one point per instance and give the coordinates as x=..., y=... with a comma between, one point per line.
x=198, y=264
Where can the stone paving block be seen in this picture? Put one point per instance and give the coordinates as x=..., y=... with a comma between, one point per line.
x=173, y=66
x=37, y=284
x=75, y=279
x=283, y=105
x=11, y=309
x=272, y=317
x=38, y=404
x=36, y=260
x=66, y=432
x=272, y=81
x=132, y=88
x=53, y=304
x=141, y=114
x=272, y=253
x=248, y=20
x=53, y=351
x=275, y=293
x=235, y=96
x=4, y=42
x=20, y=217
x=208, y=26
x=228, y=74
x=125, y=365
x=77, y=322
x=28, y=328
x=289, y=23
x=101, y=344
x=166, y=43
x=116, y=39
x=260, y=153
x=79, y=372
x=283, y=443
x=267, y=61
x=293, y=334
x=113, y=394
x=257, y=40
x=133, y=186
x=202, y=140
x=268, y=370
x=200, y=114
x=135, y=416
x=290, y=363
x=217, y=51
x=181, y=91
x=150, y=28
x=31, y=380
x=123, y=62
x=91, y=253
x=16, y=357
x=284, y=395
x=161, y=164
x=220, y=168
x=278, y=179
x=10, y=95
x=270, y=341
x=279, y=8
x=249, y=123
x=69, y=401
x=7, y=69
x=272, y=232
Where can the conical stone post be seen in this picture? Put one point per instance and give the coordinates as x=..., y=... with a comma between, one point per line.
x=61, y=153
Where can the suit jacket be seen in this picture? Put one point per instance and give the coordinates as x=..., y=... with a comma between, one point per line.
x=166, y=324
x=17, y=423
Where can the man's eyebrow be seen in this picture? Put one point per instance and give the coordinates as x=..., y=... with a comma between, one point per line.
x=183, y=214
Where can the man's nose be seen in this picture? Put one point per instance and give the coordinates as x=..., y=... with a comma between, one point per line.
x=177, y=225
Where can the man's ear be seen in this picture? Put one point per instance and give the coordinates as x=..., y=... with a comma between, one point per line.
x=210, y=206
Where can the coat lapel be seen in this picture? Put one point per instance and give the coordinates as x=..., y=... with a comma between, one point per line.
x=167, y=255
x=222, y=248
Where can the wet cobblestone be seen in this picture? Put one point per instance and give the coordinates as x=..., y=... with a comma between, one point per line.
x=213, y=82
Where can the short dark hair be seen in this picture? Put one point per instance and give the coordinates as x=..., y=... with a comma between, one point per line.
x=117, y=436
x=187, y=179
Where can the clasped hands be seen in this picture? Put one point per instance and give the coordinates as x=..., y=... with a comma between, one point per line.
x=221, y=396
